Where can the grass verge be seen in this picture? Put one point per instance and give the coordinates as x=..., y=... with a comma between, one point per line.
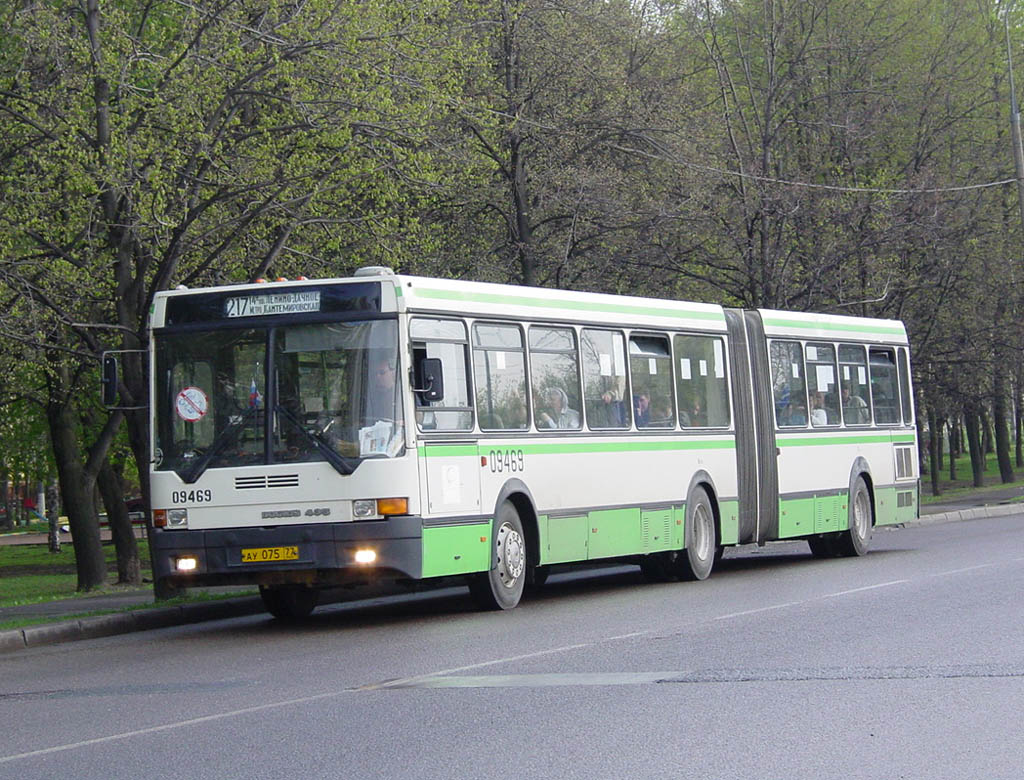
x=963, y=485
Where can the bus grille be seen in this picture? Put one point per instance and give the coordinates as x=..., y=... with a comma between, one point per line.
x=267, y=481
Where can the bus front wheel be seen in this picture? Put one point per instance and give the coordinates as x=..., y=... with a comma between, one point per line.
x=501, y=587
x=699, y=556
x=289, y=602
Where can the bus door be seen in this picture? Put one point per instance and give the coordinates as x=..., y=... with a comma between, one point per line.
x=756, y=465
x=449, y=466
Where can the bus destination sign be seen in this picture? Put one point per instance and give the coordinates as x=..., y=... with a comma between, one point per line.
x=275, y=303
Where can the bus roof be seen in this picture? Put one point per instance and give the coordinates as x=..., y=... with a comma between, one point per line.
x=831, y=327
x=421, y=294
x=457, y=297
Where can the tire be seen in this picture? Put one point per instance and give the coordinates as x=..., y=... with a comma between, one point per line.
x=501, y=587
x=855, y=541
x=823, y=545
x=697, y=560
x=289, y=602
x=660, y=566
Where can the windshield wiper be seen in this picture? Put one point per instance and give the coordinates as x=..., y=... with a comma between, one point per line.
x=227, y=435
x=343, y=464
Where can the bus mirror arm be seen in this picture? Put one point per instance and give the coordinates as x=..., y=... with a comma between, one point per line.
x=432, y=375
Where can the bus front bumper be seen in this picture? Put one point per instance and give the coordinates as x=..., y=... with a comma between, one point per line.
x=311, y=554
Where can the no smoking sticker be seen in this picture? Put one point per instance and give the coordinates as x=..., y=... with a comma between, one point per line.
x=191, y=404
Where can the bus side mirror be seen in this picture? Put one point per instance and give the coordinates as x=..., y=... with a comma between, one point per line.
x=431, y=375
x=110, y=380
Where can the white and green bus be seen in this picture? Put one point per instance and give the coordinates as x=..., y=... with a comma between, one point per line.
x=310, y=434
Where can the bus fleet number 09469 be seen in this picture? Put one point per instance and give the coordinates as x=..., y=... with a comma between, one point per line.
x=191, y=496
x=502, y=461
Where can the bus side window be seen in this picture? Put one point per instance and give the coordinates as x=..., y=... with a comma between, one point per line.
x=606, y=394
x=853, y=384
x=446, y=340
x=499, y=368
x=554, y=377
x=650, y=367
x=788, y=386
x=905, y=393
x=701, y=382
x=822, y=385
x=885, y=396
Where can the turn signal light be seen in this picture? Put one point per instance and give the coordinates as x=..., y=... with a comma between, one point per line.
x=159, y=518
x=393, y=506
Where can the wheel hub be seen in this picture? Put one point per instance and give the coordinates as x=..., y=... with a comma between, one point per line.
x=511, y=555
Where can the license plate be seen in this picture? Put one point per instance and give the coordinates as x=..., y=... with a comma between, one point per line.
x=269, y=554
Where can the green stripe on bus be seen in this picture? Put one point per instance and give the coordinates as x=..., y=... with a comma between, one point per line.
x=453, y=451
x=572, y=448
x=608, y=308
x=575, y=448
x=891, y=330
x=811, y=441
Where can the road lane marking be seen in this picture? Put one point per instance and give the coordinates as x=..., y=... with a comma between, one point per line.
x=718, y=676
x=961, y=571
x=811, y=600
x=171, y=726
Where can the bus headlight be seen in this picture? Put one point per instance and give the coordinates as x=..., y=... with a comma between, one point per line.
x=177, y=518
x=363, y=508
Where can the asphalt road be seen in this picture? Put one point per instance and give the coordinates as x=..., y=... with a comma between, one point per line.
x=905, y=663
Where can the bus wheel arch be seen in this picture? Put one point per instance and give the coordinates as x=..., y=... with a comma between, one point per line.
x=861, y=513
x=515, y=550
x=702, y=529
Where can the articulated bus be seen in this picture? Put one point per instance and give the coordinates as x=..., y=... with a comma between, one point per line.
x=311, y=434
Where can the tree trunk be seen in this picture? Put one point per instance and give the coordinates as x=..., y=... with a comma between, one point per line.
x=972, y=420
x=1018, y=420
x=954, y=426
x=986, y=432
x=934, y=446
x=129, y=571
x=940, y=429
x=1001, y=422
x=77, y=495
x=5, y=500
x=53, y=514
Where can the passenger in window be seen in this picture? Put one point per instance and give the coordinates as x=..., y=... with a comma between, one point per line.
x=855, y=408
x=380, y=400
x=793, y=413
x=642, y=409
x=819, y=416
x=517, y=413
x=609, y=413
x=558, y=413
x=695, y=417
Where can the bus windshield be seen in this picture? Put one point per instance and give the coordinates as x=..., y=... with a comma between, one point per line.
x=331, y=392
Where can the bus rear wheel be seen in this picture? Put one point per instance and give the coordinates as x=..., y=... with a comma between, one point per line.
x=289, y=602
x=697, y=560
x=501, y=587
x=854, y=542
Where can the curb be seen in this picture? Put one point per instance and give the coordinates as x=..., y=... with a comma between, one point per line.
x=127, y=622
x=974, y=513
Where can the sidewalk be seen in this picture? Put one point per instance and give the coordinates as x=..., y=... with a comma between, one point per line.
x=62, y=627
